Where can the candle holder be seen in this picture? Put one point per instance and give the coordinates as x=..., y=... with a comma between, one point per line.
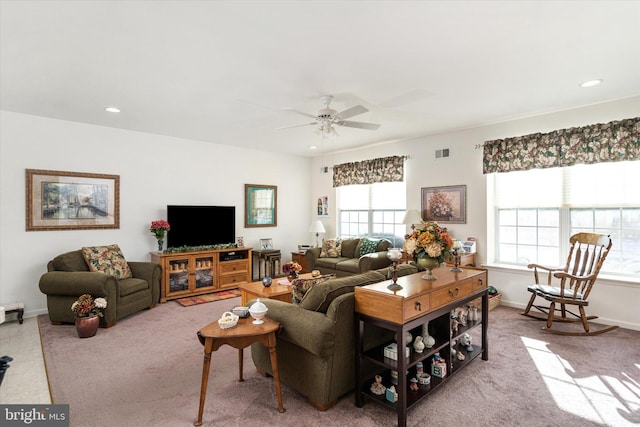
x=456, y=256
x=394, y=254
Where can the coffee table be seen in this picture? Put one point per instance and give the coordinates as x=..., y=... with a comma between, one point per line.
x=245, y=333
x=276, y=291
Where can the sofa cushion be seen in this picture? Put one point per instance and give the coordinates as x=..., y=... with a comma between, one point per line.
x=107, y=259
x=70, y=261
x=349, y=248
x=368, y=246
x=300, y=287
x=319, y=297
x=131, y=286
x=329, y=262
x=384, y=245
x=352, y=265
x=331, y=248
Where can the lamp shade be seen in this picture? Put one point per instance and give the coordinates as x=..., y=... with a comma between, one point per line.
x=412, y=216
x=317, y=227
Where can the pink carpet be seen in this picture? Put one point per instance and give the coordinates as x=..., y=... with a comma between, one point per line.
x=146, y=371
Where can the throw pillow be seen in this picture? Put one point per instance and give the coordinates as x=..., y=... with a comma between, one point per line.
x=300, y=287
x=107, y=259
x=368, y=246
x=331, y=248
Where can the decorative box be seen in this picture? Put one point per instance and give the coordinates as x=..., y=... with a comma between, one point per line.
x=439, y=370
x=391, y=351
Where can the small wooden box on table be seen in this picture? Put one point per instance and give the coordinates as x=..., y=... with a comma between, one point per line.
x=419, y=301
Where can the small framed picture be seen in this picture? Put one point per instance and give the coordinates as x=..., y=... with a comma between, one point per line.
x=240, y=242
x=266, y=244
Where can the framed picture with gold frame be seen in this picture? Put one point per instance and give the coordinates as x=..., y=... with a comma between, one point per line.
x=260, y=205
x=59, y=200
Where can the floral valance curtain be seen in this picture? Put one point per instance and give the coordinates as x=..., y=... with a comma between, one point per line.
x=386, y=169
x=603, y=142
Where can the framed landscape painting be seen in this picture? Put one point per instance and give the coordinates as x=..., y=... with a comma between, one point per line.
x=71, y=200
x=260, y=202
x=445, y=204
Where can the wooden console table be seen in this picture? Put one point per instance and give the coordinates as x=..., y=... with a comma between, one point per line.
x=245, y=333
x=418, y=302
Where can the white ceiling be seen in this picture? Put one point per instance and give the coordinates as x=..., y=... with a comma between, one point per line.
x=223, y=71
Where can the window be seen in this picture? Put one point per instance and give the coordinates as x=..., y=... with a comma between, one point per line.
x=374, y=210
x=536, y=212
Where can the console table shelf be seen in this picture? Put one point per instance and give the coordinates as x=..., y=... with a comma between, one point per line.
x=405, y=311
x=194, y=273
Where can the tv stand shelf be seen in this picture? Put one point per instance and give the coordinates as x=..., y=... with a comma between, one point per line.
x=194, y=273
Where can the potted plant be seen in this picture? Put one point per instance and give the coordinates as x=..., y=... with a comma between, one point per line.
x=88, y=312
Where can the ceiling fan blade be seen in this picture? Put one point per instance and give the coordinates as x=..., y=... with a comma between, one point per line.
x=297, y=126
x=350, y=112
x=301, y=112
x=359, y=125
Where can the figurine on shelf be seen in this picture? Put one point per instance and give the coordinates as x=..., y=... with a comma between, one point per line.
x=377, y=387
x=413, y=384
x=462, y=318
x=465, y=340
x=475, y=313
x=460, y=355
x=392, y=395
x=418, y=344
x=427, y=339
x=454, y=327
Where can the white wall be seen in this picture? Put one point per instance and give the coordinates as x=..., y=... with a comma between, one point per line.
x=614, y=301
x=154, y=171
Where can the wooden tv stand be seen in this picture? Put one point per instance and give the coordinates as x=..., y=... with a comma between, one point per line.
x=194, y=273
x=419, y=301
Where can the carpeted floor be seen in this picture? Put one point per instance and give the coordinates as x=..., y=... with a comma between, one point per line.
x=146, y=371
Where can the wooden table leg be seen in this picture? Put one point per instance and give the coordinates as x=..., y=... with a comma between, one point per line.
x=205, y=378
x=276, y=374
x=240, y=360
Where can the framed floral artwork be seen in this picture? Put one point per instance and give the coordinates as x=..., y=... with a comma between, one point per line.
x=71, y=200
x=445, y=204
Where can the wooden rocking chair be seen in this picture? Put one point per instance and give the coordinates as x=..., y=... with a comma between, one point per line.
x=588, y=252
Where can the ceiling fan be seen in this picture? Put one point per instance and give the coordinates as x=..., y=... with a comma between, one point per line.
x=326, y=118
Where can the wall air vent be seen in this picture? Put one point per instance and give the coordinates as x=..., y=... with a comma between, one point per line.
x=442, y=153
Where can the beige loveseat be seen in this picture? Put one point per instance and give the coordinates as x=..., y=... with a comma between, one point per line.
x=349, y=261
x=316, y=345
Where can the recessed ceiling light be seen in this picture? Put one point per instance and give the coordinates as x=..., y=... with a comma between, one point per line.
x=591, y=83
x=312, y=147
x=112, y=109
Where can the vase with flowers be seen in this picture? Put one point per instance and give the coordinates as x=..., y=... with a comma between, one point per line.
x=292, y=269
x=429, y=246
x=88, y=311
x=159, y=228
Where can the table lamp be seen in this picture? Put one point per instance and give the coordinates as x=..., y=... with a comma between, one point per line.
x=412, y=217
x=317, y=227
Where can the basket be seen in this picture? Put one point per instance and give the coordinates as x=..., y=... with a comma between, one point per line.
x=494, y=301
x=228, y=320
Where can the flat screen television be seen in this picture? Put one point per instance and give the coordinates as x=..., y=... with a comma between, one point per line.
x=193, y=225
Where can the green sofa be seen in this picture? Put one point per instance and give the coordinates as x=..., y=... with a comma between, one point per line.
x=349, y=262
x=316, y=345
x=68, y=277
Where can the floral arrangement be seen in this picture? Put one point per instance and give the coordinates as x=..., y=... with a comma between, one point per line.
x=159, y=228
x=432, y=240
x=87, y=306
x=292, y=266
x=440, y=206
